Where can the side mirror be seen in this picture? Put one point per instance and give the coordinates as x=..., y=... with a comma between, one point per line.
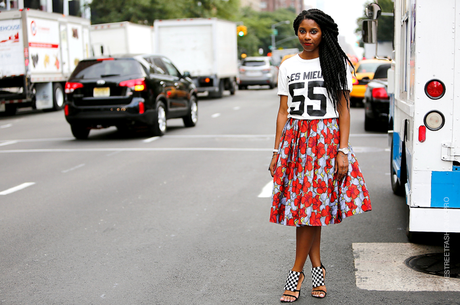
x=369, y=32
x=186, y=74
x=373, y=11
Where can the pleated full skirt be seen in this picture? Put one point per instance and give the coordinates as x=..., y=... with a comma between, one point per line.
x=305, y=189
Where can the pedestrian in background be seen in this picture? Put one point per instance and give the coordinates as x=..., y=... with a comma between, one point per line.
x=317, y=179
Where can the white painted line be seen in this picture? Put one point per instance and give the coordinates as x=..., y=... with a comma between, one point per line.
x=215, y=115
x=356, y=149
x=113, y=153
x=6, y=125
x=8, y=143
x=73, y=168
x=150, y=139
x=381, y=267
x=17, y=188
x=267, y=190
x=236, y=108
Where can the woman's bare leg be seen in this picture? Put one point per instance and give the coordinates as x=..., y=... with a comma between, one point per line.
x=315, y=258
x=305, y=237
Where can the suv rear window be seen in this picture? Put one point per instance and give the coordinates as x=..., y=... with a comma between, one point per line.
x=254, y=63
x=105, y=68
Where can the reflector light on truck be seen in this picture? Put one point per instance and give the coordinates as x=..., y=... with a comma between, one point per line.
x=435, y=89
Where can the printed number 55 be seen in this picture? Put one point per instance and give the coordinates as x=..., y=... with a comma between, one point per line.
x=311, y=95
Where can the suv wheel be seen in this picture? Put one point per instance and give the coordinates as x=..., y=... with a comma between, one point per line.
x=159, y=125
x=191, y=118
x=79, y=132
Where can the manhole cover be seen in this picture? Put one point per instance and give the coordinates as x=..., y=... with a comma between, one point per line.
x=445, y=265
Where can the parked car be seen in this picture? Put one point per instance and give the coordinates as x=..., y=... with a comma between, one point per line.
x=258, y=70
x=128, y=92
x=376, y=100
x=364, y=74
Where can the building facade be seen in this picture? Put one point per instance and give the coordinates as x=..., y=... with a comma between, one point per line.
x=66, y=7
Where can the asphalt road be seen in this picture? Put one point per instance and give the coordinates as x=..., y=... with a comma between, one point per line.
x=183, y=219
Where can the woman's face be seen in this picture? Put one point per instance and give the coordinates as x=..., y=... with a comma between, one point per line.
x=310, y=36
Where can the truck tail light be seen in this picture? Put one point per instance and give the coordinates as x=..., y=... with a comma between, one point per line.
x=379, y=93
x=134, y=84
x=102, y=59
x=435, y=89
x=422, y=133
x=434, y=120
x=70, y=87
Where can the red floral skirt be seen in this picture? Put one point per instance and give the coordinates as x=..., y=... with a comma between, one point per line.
x=306, y=191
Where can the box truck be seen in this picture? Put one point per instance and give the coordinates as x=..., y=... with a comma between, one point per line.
x=206, y=48
x=424, y=112
x=38, y=51
x=121, y=38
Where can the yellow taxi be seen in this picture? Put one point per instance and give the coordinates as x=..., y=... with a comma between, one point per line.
x=364, y=73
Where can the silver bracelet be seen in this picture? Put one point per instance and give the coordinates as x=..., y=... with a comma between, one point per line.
x=275, y=150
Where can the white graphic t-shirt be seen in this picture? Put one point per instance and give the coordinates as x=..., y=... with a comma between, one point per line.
x=302, y=81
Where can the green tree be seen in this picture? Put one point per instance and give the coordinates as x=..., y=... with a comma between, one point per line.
x=259, y=30
x=146, y=11
x=385, y=29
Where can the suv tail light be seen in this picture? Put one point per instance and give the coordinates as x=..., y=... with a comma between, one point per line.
x=134, y=84
x=379, y=93
x=70, y=87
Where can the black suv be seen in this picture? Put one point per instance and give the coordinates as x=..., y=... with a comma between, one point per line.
x=126, y=92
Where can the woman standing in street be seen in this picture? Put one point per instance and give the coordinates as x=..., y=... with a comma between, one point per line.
x=317, y=180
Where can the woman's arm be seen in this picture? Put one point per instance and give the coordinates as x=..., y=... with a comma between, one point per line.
x=341, y=161
x=280, y=122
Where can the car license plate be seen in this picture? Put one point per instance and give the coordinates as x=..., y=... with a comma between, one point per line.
x=2, y=107
x=254, y=73
x=105, y=91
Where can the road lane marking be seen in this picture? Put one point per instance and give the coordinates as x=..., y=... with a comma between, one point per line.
x=192, y=136
x=381, y=267
x=8, y=143
x=150, y=139
x=356, y=149
x=215, y=115
x=236, y=108
x=266, y=190
x=6, y=125
x=73, y=168
x=17, y=188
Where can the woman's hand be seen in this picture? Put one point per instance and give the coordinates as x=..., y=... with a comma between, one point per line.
x=272, y=166
x=341, y=165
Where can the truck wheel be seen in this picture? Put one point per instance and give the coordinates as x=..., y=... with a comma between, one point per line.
x=158, y=128
x=58, y=96
x=220, y=92
x=233, y=87
x=80, y=132
x=397, y=186
x=191, y=118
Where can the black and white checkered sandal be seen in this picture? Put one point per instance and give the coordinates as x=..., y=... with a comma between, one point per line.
x=317, y=280
x=291, y=284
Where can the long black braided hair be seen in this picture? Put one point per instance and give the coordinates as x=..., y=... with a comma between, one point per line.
x=332, y=58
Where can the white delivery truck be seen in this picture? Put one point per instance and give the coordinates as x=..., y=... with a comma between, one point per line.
x=121, y=38
x=206, y=48
x=38, y=51
x=424, y=90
